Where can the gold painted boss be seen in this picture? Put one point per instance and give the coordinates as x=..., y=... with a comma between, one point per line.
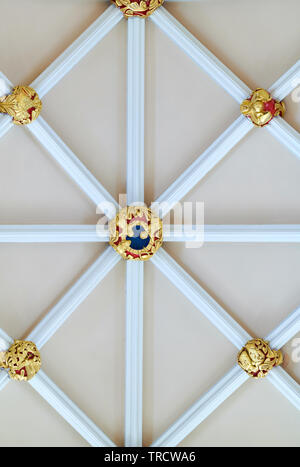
x=142, y=8
x=22, y=360
x=257, y=358
x=136, y=233
x=23, y=105
x=261, y=108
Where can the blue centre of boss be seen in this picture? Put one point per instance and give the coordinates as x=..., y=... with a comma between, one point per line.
x=138, y=243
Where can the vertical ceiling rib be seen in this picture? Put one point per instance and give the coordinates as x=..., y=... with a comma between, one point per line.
x=135, y=269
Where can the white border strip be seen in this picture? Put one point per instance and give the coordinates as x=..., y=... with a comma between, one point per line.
x=74, y=297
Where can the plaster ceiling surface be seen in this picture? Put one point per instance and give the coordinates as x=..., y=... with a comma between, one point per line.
x=258, y=182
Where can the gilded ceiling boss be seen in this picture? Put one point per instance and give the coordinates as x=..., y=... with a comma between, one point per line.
x=257, y=358
x=22, y=360
x=261, y=108
x=23, y=105
x=136, y=233
x=138, y=7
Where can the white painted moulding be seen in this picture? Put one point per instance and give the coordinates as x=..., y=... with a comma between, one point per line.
x=5, y=340
x=134, y=354
x=81, y=233
x=200, y=54
x=204, y=163
x=5, y=85
x=6, y=124
x=200, y=298
x=171, y=233
x=199, y=411
x=182, y=233
x=285, y=134
x=60, y=402
x=5, y=343
x=135, y=270
x=65, y=407
x=281, y=233
x=77, y=50
x=68, y=59
x=214, y=312
x=53, y=233
x=135, y=109
x=211, y=400
x=285, y=331
x=74, y=297
x=209, y=63
x=218, y=316
x=73, y=54
x=47, y=327
x=67, y=159
x=5, y=120
x=69, y=411
x=286, y=83
x=216, y=69
x=4, y=379
x=285, y=384
x=252, y=233
x=280, y=336
x=72, y=165
x=282, y=131
x=219, y=149
x=41, y=383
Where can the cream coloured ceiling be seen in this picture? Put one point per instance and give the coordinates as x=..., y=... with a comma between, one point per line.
x=258, y=182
